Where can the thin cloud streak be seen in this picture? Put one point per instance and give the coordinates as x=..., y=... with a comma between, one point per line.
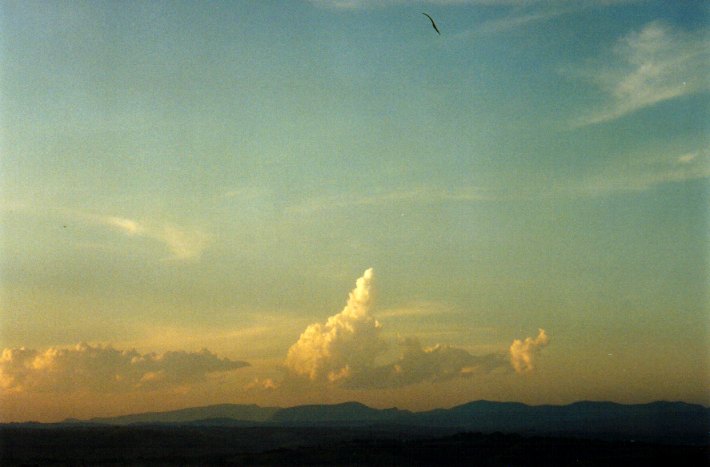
x=183, y=244
x=129, y=226
x=644, y=172
x=418, y=196
x=524, y=16
x=262, y=339
x=417, y=309
x=629, y=173
x=515, y=21
x=372, y=4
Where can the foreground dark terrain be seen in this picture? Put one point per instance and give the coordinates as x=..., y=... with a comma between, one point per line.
x=476, y=433
x=214, y=445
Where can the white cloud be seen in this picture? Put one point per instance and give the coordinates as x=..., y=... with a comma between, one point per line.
x=522, y=352
x=515, y=5
x=646, y=67
x=421, y=195
x=418, y=363
x=688, y=157
x=521, y=14
x=129, y=226
x=516, y=20
x=641, y=172
x=417, y=309
x=345, y=349
x=348, y=342
x=349, y=4
x=367, y=4
x=183, y=244
x=105, y=369
x=265, y=384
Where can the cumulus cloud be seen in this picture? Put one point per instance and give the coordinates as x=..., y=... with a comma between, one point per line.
x=345, y=349
x=183, y=244
x=267, y=384
x=655, y=64
x=348, y=342
x=418, y=363
x=104, y=369
x=523, y=351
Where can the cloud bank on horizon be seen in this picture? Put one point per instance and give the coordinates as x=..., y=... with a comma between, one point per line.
x=344, y=351
x=105, y=369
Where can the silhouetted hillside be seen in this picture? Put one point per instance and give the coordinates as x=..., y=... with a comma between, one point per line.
x=348, y=412
x=674, y=422
x=670, y=421
x=249, y=413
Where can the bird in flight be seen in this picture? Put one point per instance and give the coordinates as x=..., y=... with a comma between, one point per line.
x=432, y=23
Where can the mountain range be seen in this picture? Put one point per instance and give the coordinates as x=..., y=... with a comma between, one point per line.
x=658, y=421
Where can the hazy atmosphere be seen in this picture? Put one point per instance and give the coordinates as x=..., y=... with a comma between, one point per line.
x=289, y=202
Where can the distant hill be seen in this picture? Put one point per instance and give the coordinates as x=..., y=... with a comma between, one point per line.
x=671, y=421
x=345, y=413
x=674, y=422
x=245, y=413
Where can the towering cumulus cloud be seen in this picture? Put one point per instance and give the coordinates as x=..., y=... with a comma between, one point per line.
x=344, y=350
x=346, y=344
x=104, y=369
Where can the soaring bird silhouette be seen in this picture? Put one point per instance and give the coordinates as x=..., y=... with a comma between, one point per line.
x=432, y=23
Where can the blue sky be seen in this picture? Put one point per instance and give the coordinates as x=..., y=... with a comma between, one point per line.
x=188, y=175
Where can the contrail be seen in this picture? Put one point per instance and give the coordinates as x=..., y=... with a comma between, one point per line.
x=432, y=23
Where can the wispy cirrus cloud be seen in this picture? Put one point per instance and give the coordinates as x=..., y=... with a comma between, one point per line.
x=417, y=309
x=366, y=4
x=642, y=172
x=516, y=19
x=655, y=64
x=129, y=226
x=105, y=369
x=183, y=244
x=419, y=195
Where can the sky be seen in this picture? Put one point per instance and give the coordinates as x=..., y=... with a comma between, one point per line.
x=321, y=201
